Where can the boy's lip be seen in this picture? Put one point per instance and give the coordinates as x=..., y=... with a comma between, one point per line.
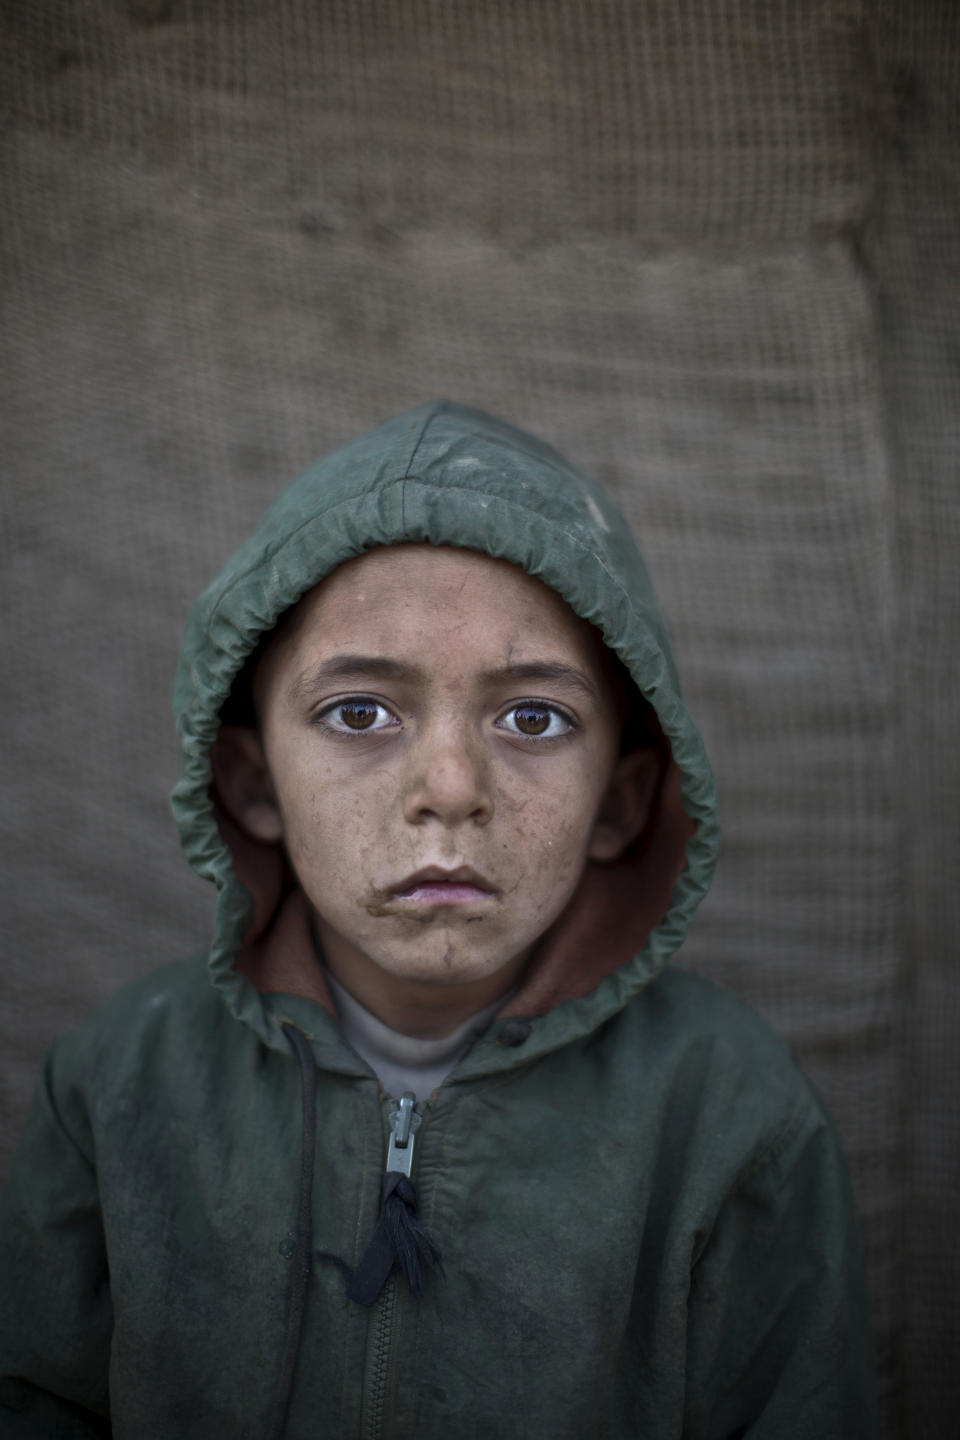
x=436, y=885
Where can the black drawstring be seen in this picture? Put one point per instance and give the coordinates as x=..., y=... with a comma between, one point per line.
x=399, y=1242
x=302, y=1255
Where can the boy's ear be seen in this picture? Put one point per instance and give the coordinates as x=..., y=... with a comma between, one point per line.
x=625, y=808
x=243, y=782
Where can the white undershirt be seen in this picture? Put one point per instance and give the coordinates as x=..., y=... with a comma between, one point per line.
x=402, y=1062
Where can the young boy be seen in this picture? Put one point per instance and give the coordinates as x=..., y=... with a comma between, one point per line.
x=430, y=1144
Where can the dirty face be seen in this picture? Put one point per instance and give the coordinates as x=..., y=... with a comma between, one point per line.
x=440, y=733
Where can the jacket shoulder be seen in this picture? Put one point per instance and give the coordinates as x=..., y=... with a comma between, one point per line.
x=155, y=1026
x=692, y=1009
x=712, y=1049
x=178, y=993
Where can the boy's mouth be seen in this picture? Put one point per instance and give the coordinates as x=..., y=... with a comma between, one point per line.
x=436, y=886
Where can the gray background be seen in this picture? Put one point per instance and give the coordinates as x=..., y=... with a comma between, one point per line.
x=706, y=247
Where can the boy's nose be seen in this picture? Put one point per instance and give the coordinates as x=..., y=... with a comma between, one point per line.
x=448, y=781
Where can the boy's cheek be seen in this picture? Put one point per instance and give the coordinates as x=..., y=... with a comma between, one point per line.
x=344, y=833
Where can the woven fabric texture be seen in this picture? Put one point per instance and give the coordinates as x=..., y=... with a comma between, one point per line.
x=705, y=247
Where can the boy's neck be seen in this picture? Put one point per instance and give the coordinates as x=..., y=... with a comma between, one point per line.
x=425, y=1010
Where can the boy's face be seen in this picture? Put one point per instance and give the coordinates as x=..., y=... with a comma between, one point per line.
x=440, y=735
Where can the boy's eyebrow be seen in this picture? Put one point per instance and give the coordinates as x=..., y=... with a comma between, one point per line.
x=555, y=672
x=349, y=667
x=383, y=667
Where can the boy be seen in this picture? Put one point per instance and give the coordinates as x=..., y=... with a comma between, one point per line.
x=441, y=1151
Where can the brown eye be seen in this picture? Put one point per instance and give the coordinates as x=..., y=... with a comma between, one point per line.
x=536, y=720
x=531, y=719
x=358, y=714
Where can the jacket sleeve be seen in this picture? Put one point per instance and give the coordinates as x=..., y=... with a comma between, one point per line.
x=779, y=1340
x=56, y=1317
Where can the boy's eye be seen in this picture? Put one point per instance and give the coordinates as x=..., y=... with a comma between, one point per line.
x=536, y=721
x=357, y=715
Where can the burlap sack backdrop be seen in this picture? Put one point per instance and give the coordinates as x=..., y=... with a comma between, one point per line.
x=706, y=247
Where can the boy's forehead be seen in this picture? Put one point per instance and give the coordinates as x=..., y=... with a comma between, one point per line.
x=391, y=581
x=431, y=595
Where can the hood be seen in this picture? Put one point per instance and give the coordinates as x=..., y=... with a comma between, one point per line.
x=450, y=476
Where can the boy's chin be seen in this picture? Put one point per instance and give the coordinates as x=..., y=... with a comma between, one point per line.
x=450, y=960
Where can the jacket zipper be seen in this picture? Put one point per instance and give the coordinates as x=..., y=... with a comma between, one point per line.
x=380, y=1367
x=404, y=1122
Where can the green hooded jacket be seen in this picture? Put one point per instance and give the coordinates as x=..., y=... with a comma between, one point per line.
x=642, y=1209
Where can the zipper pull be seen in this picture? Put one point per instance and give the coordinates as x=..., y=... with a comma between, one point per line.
x=404, y=1124
x=398, y=1242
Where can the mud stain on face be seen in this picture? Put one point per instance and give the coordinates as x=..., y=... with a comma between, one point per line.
x=380, y=902
x=377, y=908
x=386, y=908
